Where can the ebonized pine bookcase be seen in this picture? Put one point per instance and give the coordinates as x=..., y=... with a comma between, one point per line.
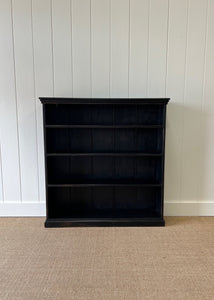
x=104, y=161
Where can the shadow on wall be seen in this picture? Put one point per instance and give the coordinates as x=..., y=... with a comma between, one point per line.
x=188, y=156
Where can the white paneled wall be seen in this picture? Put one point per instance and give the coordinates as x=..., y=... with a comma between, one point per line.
x=100, y=48
x=43, y=72
x=107, y=48
x=1, y=182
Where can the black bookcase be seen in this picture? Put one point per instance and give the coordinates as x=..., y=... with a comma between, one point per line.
x=104, y=161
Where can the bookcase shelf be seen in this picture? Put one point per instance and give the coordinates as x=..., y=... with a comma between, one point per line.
x=104, y=161
x=95, y=183
x=104, y=126
x=104, y=154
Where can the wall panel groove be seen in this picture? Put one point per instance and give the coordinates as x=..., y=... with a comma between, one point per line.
x=25, y=99
x=71, y=33
x=192, y=138
x=167, y=48
x=16, y=104
x=183, y=103
x=100, y=48
x=202, y=127
x=147, y=54
x=35, y=100
x=61, y=27
x=110, y=61
x=206, y=190
x=175, y=83
x=157, y=48
x=81, y=48
x=119, y=48
x=41, y=22
x=129, y=47
x=8, y=108
x=91, y=58
x=139, y=42
x=52, y=46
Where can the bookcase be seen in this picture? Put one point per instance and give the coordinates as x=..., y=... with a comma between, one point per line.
x=104, y=161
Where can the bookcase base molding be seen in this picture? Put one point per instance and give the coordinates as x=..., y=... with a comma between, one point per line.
x=104, y=222
x=104, y=161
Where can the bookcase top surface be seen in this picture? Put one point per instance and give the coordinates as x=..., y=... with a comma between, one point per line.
x=61, y=100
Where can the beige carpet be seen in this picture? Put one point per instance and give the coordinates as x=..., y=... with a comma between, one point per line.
x=172, y=262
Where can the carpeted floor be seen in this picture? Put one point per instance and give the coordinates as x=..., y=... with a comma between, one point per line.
x=172, y=262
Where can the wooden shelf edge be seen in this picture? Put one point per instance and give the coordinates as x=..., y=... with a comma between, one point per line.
x=88, y=126
x=149, y=185
x=104, y=154
x=102, y=222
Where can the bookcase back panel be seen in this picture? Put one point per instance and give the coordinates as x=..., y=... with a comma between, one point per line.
x=68, y=169
x=138, y=114
x=67, y=140
x=104, y=114
x=105, y=202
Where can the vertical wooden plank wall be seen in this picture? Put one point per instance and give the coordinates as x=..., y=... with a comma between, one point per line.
x=138, y=48
x=43, y=68
x=193, y=100
x=1, y=181
x=62, y=54
x=120, y=33
x=175, y=83
x=100, y=47
x=206, y=188
x=9, y=131
x=26, y=102
x=81, y=47
x=107, y=48
x=157, y=51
